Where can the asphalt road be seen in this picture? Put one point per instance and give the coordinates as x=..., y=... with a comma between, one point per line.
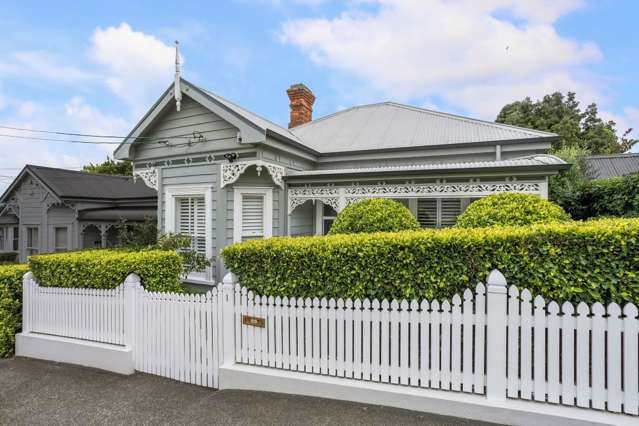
x=44, y=393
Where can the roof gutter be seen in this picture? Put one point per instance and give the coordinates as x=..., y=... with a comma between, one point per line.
x=338, y=173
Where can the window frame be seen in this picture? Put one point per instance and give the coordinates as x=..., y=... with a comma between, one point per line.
x=171, y=195
x=320, y=218
x=67, y=242
x=3, y=237
x=27, y=247
x=15, y=238
x=238, y=192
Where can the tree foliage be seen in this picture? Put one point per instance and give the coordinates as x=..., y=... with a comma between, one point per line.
x=110, y=167
x=577, y=129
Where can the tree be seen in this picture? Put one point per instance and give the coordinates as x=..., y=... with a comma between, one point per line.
x=110, y=167
x=578, y=129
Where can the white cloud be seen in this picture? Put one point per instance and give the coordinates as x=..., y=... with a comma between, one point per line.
x=138, y=66
x=464, y=51
x=42, y=66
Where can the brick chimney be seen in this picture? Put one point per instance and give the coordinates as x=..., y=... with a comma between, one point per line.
x=302, y=100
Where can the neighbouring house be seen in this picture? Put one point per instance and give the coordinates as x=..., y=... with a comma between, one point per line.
x=224, y=174
x=613, y=165
x=47, y=209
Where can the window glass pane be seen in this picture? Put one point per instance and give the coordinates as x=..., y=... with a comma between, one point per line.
x=327, y=225
x=16, y=238
x=329, y=211
x=2, y=237
x=32, y=241
x=60, y=238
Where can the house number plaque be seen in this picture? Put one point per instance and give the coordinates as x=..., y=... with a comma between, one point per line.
x=254, y=321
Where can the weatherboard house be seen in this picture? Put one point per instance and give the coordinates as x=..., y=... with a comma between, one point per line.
x=224, y=174
x=47, y=209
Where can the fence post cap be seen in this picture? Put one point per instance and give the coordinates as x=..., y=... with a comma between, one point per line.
x=132, y=280
x=28, y=276
x=496, y=278
x=230, y=278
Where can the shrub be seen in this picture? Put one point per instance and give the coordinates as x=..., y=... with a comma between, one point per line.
x=617, y=197
x=575, y=261
x=511, y=209
x=374, y=215
x=10, y=306
x=159, y=270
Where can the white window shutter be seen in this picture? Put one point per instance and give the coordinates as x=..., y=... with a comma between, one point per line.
x=450, y=209
x=427, y=212
x=192, y=221
x=252, y=216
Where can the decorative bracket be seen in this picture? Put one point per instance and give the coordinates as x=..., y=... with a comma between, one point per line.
x=231, y=172
x=149, y=176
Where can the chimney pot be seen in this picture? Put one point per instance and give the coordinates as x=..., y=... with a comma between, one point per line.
x=302, y=100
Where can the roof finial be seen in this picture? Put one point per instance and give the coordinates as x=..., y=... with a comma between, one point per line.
x=176, y=89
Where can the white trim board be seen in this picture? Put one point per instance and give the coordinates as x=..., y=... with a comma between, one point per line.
x=447, y=403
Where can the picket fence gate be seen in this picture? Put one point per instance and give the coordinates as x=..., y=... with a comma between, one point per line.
x=494, y=341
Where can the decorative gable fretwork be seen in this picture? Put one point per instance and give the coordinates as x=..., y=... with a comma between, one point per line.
x=339, y=197
x=231, y=172
x=149, y=176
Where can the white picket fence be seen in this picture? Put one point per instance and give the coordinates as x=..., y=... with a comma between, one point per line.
x=80, y=313
x=493, y=341
x=176, y=336
x=585, y=357
x=425, y=344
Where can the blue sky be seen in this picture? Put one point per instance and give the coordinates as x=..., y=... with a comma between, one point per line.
x=96, y=67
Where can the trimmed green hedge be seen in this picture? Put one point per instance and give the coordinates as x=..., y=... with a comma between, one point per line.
x=159, y=270
x=374, y=215
x=509, y=208
x=576, y=261
x=10, y=306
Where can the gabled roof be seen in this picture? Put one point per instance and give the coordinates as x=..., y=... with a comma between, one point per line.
x=537, y=162
x=605, y=166
x=71, y=184
x=253, y=128
x=389, y=125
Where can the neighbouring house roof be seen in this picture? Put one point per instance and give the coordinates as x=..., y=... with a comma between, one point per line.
x=389, y=125
x=605, y=166
x=538, y=162
x=73, y=184
x=117, y=213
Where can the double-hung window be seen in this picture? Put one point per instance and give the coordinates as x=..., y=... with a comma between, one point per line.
x=252, y=213
x=188, y=211
x=61, y=238
x=325, y=216
x=33, y=240
x=2, y=237
x=16, y=238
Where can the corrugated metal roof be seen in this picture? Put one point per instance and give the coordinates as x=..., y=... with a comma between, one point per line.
x=390, y=125
x=74, y=184
x=605, y=166
x=531, y=161
x=258, y=121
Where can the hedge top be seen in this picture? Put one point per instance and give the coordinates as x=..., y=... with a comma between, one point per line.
x=511, y=209
x=573, y=261
x=374, y=215
x=159, y=270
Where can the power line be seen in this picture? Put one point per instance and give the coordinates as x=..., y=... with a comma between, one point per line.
x=87, y=135
x=33, y=138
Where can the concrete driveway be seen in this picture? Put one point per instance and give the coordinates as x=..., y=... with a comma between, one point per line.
x=39, y=392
